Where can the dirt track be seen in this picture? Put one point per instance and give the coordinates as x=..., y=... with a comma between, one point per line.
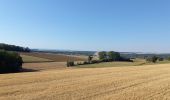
x=150, y=82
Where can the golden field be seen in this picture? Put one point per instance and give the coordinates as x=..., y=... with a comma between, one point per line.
x=148, y=82
x=50, y=57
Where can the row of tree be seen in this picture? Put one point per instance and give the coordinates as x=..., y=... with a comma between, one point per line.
x=103, y=57
x=10, y=62
x=13, y=48
x=154, y=59
x=111, y=56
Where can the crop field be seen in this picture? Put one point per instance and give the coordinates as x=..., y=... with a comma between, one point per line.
x=32, y=59
x=44, y=66
x=56, y=57
x=147, y=82
x=114, y=64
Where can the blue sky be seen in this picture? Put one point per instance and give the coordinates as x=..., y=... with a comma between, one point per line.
x=120, y=25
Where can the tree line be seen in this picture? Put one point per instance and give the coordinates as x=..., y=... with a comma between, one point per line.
x=8, y=47
x=103, y=57
x=111, y=56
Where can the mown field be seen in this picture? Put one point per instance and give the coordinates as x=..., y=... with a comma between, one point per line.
x=33, y=59
x=55, y=57
x=149, y=82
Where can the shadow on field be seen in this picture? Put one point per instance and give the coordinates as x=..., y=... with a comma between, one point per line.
x=28, y=70
x=21, y=71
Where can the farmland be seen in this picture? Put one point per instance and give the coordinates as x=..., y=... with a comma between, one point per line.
x=130, y=83
x=55, y=57
x=32, y=59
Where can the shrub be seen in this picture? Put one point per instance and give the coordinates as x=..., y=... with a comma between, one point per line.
x=102, y=55
x=90, y=58
x=113, y=56
x=79, y=63
x=85, y=62
x=168, y=58
x=70, y=63
x=95, y=61
x=161, y=59
x=10, y=62
x=125, y=59
x=152, y=59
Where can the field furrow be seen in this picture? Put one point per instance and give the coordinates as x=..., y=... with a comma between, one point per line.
x=118, y=83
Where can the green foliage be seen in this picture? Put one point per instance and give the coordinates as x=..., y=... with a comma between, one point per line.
x=90, y=58
x=113, y=56
x=169, y=58
x=13, y=48
x=85, y=62
x=95, y=61
x=152, y=59
x=102, y=55
x=70, y=63
x=161, y=59
x=10, y=62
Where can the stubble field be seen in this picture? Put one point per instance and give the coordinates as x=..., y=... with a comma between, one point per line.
x=148, y=82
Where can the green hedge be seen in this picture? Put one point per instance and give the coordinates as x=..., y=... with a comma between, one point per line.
x=10, y=62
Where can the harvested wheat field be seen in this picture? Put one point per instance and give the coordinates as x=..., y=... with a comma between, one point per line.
x=151, y=82
x=45, y=66
x=56, y=57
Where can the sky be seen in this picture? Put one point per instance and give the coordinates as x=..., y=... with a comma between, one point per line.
x=98, y=25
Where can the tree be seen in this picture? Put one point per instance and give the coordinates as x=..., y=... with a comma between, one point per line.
x=161, y=59
x=102, y=55
x=152, y=59
x=10, y=62
x=168, y=58
x=113, y=56
x=90, y=58
x=70, y=63
x=8, y=47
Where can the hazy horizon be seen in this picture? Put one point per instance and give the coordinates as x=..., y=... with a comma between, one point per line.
x=87, y=25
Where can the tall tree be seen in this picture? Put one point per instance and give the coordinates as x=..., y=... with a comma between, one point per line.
x=113, y=56
x=90, y=58
x=102, y=55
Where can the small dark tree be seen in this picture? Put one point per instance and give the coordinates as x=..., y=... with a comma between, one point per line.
x=70, y=63
x=102, y=55
x=168, y=58
x=152, y=59
x=10, y=62
x=160, y=59
x=90, y=58
x=113, y=56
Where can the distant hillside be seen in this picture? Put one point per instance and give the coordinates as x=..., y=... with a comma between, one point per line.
x=144, y=55
x=13, y=48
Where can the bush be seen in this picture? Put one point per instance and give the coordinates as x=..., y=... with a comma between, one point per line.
x=125, y=59
x=152, y=59
x=79, y=63
x=95, y=61
x=70, y=63
x=10, y=62
x=168, y=58
x=85, y=62
x=161, y=59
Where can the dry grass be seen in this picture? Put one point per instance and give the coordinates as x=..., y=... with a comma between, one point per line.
x=45, y=66
x=151, y=82
x=31, y=59
x=56, y=57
